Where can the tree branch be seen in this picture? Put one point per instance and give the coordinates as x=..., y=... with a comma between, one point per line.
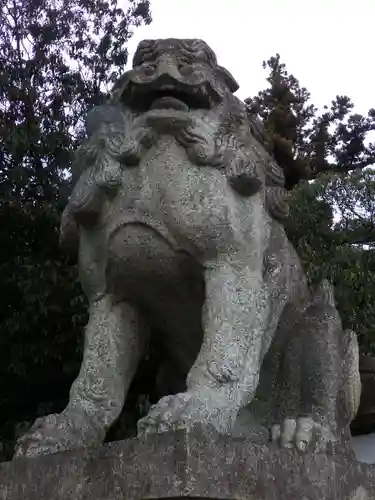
x=329, y=168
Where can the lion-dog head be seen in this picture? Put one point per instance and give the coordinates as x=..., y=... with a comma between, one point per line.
x=177, y=88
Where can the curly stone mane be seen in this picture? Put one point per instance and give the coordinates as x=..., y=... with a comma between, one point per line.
x=276, y=194
x=113, y=134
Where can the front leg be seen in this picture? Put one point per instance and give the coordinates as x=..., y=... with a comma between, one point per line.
x=225, y=375
x=114, y=343
x=234, y=315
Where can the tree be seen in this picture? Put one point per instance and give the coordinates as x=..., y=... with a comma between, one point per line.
x=327, y=158
x=307, y=143
x=58, y=58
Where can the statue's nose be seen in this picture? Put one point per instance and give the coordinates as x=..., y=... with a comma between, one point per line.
x=167, y=66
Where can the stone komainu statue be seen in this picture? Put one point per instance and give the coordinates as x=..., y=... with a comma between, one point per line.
x=177, y=216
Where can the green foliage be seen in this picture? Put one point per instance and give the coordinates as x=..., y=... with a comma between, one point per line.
x=327, y=252
x=42, y=314
x=353, y=198
x=309, y=228
x=58, y=58
x=286, y=112
x=332, y=215
x=307, y=143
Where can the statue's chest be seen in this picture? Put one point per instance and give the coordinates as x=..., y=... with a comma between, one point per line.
x=169, y=180
x=195, y=204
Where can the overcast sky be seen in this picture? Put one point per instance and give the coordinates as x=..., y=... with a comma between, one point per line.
x=326, y=44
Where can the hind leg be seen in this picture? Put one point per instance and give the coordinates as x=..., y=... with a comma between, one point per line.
x=320, y=363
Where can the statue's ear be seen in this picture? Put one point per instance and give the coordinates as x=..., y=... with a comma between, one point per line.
x=228, y=79
x=69, y=233
x=106, y=113
x=119, y=87
x=92, y=121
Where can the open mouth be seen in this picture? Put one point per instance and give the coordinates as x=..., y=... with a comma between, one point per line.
x=168, y=97
x=169, y=102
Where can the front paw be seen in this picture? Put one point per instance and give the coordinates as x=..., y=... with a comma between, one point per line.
x=302, y=433
x=184, y=410
x=57, y=433
x=37, y=440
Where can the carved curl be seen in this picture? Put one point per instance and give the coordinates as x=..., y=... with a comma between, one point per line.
x=240, y=142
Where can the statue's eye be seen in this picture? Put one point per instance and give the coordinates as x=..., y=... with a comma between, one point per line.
x=148, y=69
x=186, y=69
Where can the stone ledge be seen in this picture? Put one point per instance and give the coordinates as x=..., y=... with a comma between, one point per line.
x=196, y=464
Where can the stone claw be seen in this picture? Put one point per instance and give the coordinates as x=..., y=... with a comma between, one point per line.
x=183, y=410
x=55, y=433
x=300, y=433
x=275, y=433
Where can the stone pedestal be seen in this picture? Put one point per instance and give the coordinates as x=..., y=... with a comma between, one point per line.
x=187, y=464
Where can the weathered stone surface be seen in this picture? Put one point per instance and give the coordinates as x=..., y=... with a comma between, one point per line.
x=177, y=214
x=309, y=379
x=183, y=464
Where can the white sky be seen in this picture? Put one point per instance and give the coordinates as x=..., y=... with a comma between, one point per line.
x=325, y=44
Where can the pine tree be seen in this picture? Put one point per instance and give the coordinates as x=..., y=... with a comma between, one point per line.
x=307, y=143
